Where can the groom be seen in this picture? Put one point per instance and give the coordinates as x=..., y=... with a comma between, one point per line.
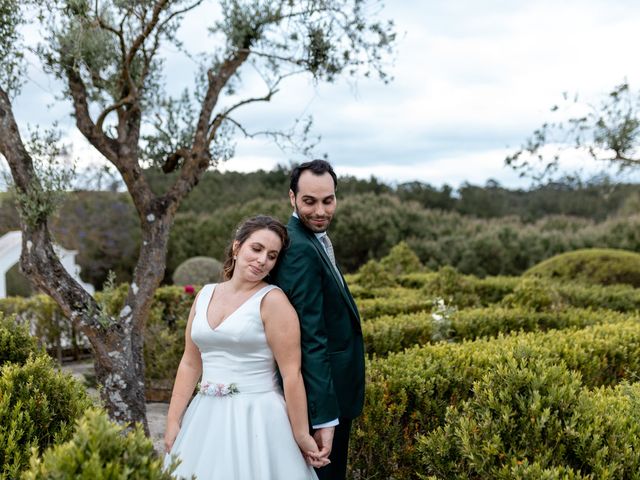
x=332, y=345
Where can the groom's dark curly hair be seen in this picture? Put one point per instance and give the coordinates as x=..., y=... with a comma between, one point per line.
x=317, y=167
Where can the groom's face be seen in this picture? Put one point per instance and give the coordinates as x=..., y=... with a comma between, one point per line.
x=315, y=202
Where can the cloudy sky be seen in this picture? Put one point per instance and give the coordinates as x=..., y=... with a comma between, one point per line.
x=472, y=79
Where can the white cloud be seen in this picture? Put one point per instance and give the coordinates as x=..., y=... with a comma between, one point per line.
x=472, y=79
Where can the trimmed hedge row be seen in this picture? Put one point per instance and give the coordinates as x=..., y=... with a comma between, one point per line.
x=532, y=417
x=389, y=334
x=408, y=302
x=409, y=393
x=468, y=291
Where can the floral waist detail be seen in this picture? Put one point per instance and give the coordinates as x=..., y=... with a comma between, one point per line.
x=218, y=389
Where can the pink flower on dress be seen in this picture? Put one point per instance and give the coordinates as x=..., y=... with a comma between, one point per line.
x=218, y=389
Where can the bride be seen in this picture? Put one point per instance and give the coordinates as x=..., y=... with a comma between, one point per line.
x=238, y=425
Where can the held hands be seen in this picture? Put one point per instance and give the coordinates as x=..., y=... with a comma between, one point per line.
x=324, y=439
x=311, y=452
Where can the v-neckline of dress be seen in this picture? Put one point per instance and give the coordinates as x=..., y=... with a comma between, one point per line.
x=224, y=320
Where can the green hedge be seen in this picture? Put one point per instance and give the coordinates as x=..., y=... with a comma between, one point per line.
x=408, y=393
x=476, y=292
x=16, y=343
x=42, y=314
x=38, y=407
x=407, y=302
x=388, y=334
x=164, y=333
x=600, y=266
x=99, y=450
x=532, y=415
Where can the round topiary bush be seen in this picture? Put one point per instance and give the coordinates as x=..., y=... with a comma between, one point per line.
x=16, y=344
x=600, y=266
x=100, y=450
x=374, y=275
x=38, y=407
x=401, y=260
x=198, y=271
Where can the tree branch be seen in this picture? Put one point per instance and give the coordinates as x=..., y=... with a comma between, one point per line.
x=38, y=259
x=221, y=116
x=139, y=40
x=119, y=154
x=216, y=83
x=127, y=100
x=105, y=145
x=179, y=12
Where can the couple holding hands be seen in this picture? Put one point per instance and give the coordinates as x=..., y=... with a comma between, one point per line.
x=278, y=350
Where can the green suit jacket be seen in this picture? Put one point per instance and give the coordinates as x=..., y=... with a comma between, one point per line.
x=331, y=336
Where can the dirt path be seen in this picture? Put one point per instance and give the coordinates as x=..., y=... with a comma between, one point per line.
x=156, y=412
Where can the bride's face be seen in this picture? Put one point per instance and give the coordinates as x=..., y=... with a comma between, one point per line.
x=257, y=255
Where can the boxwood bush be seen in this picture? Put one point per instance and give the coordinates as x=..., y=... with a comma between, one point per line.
x=520, y=411
x=100, y=450
x=531, y=416
x=600, y=266
x=16, y=343
x=38, y=407
x=409, y=392
x=387, y=334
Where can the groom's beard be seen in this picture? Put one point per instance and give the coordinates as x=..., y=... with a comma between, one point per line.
x=308, y=221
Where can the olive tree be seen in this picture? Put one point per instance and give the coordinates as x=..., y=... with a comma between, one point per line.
x=607, y=131
x=108, y=54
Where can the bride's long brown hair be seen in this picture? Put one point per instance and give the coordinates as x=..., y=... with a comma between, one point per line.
x=244, y=231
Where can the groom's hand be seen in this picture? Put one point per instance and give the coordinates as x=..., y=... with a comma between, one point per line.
x=324, y=439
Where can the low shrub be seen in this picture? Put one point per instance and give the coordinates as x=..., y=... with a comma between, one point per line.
x=414, y=388
x=45, y=320
x=99, y=450
x=606, y=439
x=16, y=344
x=164, y=339
x=520, y=411
x=535, y=295
x=600, y=266
x=492, y=290
x=621, y=298
x=38, y=407
x=387, y=334
x=527, y=418
x=373, y=275
x=405, y=302
x=401, y=260
x=453, y=287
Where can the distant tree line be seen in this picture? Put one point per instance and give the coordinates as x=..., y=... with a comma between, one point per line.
x=481, y=230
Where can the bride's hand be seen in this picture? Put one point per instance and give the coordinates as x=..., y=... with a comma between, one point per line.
x=170, y=434
x=310, y=450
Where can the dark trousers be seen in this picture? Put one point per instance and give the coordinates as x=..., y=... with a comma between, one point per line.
x=337, y=469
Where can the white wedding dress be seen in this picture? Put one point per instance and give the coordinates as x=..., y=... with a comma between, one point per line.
x=236, y=427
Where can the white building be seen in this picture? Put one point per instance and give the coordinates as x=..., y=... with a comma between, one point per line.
x=10, y=249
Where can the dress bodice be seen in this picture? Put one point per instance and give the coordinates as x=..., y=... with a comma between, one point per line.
x=236, y=351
